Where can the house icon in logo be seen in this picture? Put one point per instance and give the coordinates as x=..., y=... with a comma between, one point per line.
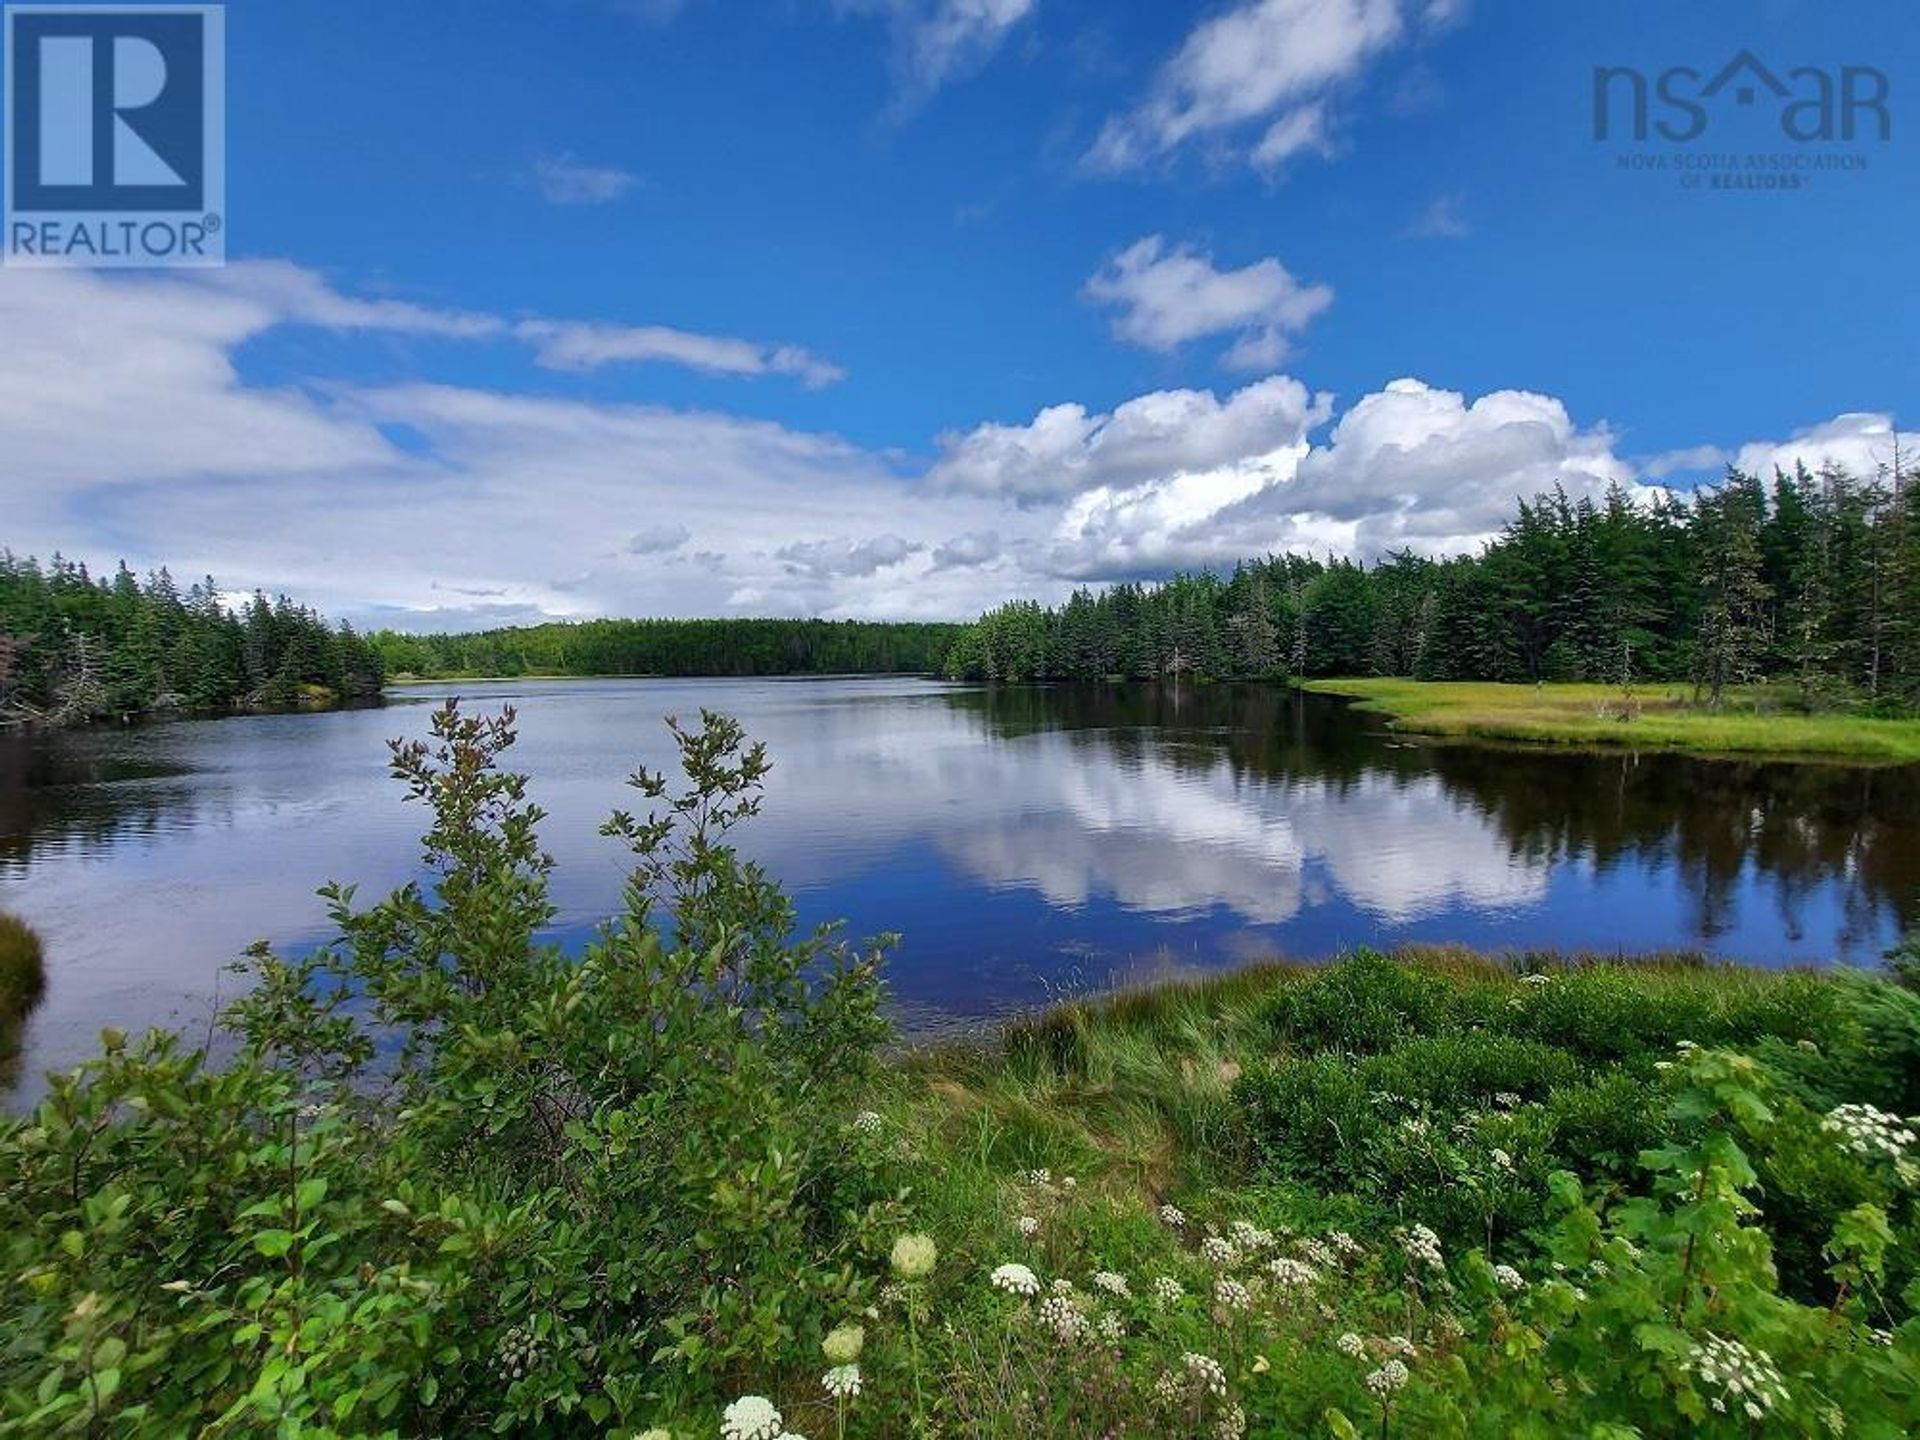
x=1746, y=61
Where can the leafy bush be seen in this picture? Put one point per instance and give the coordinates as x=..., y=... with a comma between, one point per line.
x=455, y=1182
x=1362, y=1006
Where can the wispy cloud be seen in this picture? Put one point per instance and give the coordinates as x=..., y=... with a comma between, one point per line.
x=564, y=179
x=586, y=345
x=1271, y=64
x=937, y=41
x=1445, y=218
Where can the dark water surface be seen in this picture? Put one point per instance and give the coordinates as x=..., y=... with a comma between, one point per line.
x=1024, y=841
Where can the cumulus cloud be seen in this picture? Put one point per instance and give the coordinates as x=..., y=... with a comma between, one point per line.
x=124, y=413
x=1066, y=450
x=565, y=179
x=1861, y=442
x=583, y=345
x=1167, y=297
x=1271, y=63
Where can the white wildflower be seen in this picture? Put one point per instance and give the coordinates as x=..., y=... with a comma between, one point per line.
x=868, y=1122
x=842, y=1381
x=1507, y=1100
x=1112, y=1329
x=1111, y=1281
x=1423, y=1246
x=1205, y=1372
x=1536, y=979
x=1173, y=1215
x=1167, y=1290
x=1291, y=1274
x=1387, y=1379
x=1218, y=1251
x=1870, y=1133
x=1399, y=1345
x=751, y=1417
x=1508, y=1278
x=1738, y=1372
x=1345, y=1244
x=1039, y=1177
x=1250, y=1237
x=1028, y=1227
x=1351, y=1345
x=1318, y=1252
x=1062, y=1286
x=1230, y=1294
x=1502, y=1160
x=1016, y=1280
x=1060, y=1315
x=1232, y=1424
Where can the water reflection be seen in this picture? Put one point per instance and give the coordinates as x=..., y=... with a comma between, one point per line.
x=1021, y=839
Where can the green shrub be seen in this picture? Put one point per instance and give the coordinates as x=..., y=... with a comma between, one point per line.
x=1602, y=1124
x=455, y=1182
x=1362, y=1005
x=1452, y=1072
x=1613, y=1013
x=1312, y=1119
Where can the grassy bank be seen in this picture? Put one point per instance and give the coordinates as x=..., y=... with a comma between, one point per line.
x=1753, y=721
x=22, y=978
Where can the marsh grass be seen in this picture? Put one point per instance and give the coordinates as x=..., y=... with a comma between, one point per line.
x=22, y=980
x=1755, y=720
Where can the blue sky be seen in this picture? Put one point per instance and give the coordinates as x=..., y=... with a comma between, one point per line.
x=565, y=307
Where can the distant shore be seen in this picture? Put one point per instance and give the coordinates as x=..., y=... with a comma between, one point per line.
x=1753, y=721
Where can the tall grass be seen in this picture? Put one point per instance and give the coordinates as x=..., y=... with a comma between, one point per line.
x=1753, y=721
x=22, y=978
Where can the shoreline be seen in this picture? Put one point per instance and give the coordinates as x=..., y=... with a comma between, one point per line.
x=1588, y=716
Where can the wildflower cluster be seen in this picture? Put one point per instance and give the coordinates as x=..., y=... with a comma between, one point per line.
x=1744, y=1376
x=1871, y=1133
x=1015, y=1279
x=751, y=1417
x=1423, y=1248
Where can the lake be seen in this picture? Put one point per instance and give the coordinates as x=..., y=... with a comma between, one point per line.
x=1026, y=842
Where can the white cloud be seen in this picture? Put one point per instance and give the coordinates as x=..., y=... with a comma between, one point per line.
x=842, y=556
x=1300, y=131
x=1861, y=442
x=658, y=539
x=127, y=428
x=1067, y=450
x=980, y=548
x=1444, y=218
x=564, y=179
x=936, y=41
x=1275, y=62
x=582, y=345
x=1169, y=297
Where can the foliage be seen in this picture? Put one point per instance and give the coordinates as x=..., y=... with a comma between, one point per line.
x=73, y=649
x=1815, y=582
x=454, y=1181
x=675, y=647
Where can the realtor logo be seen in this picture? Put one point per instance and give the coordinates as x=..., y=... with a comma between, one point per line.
x=115, y=135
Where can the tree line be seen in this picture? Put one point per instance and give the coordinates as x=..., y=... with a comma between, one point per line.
x=75, y=648
x=1813, y=581
x=676, y=647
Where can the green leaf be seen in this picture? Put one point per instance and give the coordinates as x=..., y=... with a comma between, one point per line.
x=273, y=1243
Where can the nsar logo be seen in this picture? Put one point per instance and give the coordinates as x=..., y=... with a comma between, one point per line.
x=115, y=135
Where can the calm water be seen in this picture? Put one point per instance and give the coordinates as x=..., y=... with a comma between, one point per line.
x=1025, y=842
